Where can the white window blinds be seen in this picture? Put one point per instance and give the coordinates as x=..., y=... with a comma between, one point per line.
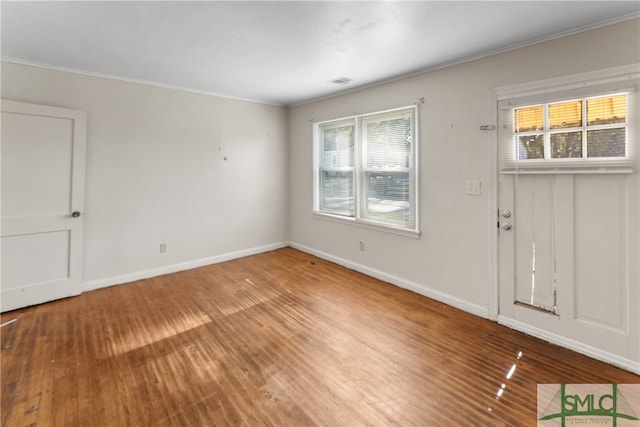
x=366, y=168
x=388, y=158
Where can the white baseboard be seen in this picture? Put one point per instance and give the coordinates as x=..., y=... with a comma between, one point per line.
x=174, y=268
x=596, y=353
x=402, y=283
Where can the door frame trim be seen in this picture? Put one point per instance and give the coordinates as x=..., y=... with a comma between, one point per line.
x=494, y=285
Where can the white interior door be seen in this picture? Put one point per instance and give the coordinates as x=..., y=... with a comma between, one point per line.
x=43, y=167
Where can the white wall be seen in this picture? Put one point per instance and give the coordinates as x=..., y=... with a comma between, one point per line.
x=156, y=172
x=452, y=260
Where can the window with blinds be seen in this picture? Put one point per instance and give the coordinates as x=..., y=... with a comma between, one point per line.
x=337, y=167
x=366, y=169
x=574, y=129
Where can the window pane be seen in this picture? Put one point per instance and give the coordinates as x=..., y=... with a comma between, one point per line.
x=611, y=109
x=606, y=143
x=336, y=192
x=530, y=147
x=387, y=196
x=337, y=146
x=565, y=115
x=388, y=142
x=566, y=145
x=529, y=119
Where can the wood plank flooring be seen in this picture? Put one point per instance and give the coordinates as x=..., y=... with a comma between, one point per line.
x=281, y=339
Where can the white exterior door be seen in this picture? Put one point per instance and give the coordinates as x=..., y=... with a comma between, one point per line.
x=569, y=213
x=43, y=167
x=569, y=262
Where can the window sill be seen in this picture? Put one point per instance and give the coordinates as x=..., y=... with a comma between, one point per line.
x=595, y=166
x=370, y=225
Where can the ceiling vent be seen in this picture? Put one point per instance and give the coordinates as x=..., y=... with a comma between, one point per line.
x=341, y=81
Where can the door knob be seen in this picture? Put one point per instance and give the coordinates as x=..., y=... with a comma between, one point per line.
x=506, y=226
x=75, y=214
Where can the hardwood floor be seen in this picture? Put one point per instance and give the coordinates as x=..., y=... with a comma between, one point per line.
x=281, y=338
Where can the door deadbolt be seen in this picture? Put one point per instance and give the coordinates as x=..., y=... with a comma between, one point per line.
x=75, y=214
x=506, y=213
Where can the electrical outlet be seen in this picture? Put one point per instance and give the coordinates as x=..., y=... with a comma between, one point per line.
x=361, y=246
x=472, y=188
x=163, y=248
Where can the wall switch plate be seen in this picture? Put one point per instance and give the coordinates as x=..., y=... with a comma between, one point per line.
x=472, y=188
x=163, y=248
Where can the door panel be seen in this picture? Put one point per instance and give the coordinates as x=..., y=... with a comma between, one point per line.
x=535, y=276
x=43, y=161
x=48, y=250
x=601, y=249
x=36, y=149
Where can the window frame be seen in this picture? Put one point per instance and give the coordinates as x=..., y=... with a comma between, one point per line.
x=358, y=218
x=548, y=131
x=609, y=82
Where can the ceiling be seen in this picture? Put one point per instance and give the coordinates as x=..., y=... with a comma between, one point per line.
x=282, y=52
